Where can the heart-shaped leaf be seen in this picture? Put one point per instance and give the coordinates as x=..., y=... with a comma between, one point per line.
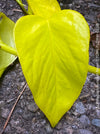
x=44, y=8
x=6, y=36
x=54, y=57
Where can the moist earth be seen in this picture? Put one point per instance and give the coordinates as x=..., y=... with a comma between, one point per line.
x=27, y=118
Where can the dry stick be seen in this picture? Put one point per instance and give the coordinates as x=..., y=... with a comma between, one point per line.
x=13, y=109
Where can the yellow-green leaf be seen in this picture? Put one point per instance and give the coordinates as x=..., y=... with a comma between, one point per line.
x=44, y=8
x=30, y=10
x=6, y=36
x=54, y=57
x=1, y=72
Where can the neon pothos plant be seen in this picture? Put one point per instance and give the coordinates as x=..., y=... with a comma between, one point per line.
x=53, y=49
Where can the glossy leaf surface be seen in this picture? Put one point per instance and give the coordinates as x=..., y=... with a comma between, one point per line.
x=44, y=8
x=1, y=72
x=54, y=59
x=6, y=36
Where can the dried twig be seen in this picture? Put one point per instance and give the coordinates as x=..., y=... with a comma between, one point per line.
x=13, y=109
x=17, y=10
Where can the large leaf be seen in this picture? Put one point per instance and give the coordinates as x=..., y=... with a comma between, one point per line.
x=54, y=59
x=6, y=36
x=1, y=71
x=44, y=8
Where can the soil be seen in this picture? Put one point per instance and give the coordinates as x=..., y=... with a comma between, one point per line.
x=27, y=118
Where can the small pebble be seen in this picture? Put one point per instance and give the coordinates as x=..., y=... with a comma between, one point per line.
x=61, y=4
x=96, y=122
x=20, y=130
x=11, y=5
x=98, y=113
x=5, y=112
x=32, y=107
x=48, y=128
x=22, y=84
x=80, y=108
x=84, y=131
x=74, y=127
x=27, y=115
x=84, y=120
x=26, y=132
x=69, y=131
x=59, y=125
x=14, y=123
x=10, y=13
x=22, y=103
x=2, y=103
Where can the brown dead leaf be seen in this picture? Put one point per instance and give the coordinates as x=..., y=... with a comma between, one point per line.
x=95, y=39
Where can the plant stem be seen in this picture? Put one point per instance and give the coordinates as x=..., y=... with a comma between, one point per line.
x=8, y=49
x=13, y=51
x=22, y=7
x=94, y=70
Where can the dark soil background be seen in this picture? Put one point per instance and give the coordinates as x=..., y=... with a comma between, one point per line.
x=83, y=117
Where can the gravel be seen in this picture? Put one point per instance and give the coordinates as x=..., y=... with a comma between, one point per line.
x=96, y=122
x=84, y=120
x=27, y=118
x=4, y=113
x=80, y=108
x=84, y=131
x=32, y=107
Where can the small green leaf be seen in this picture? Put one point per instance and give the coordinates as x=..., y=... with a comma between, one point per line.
x=44, y=8
x=54, y=57
x=6, y=36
